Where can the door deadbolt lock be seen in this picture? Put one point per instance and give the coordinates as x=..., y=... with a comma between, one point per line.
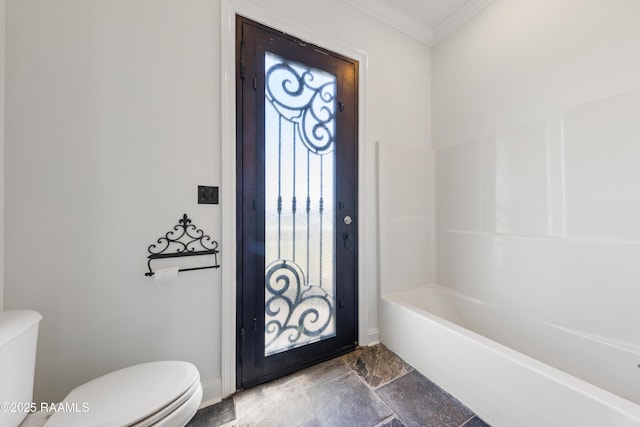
x=347, y=220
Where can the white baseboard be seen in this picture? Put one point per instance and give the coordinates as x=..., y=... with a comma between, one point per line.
x=373, y=337
x=211, y=392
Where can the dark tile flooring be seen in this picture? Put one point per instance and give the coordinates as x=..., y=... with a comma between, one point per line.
x=370, y=387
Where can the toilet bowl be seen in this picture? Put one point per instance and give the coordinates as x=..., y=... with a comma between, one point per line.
x=164, y=394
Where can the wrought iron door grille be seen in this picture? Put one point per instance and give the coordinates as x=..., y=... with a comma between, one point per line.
x=300, y=107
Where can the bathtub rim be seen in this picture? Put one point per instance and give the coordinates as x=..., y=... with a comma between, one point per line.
x=620, y=345
x=602, y=396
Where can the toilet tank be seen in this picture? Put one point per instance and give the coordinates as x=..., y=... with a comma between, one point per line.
x=18, y=340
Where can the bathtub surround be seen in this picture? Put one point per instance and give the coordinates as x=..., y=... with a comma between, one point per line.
x=542, y=218
x=535, y=133
x=535, y=108
x=536, y=130
x=406, y=216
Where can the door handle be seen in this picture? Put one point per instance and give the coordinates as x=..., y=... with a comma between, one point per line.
x=347, y=240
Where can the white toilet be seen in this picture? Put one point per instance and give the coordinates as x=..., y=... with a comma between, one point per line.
x=164, y=393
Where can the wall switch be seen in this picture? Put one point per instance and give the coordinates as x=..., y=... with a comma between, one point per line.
x=207, y=195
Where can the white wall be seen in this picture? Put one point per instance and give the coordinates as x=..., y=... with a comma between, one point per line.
x=111, y=125
x=113, y=119
x=406, y=224
x=536, y=125
x=2, y=55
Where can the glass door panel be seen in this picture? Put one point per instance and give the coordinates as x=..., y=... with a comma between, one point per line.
x=300, y=107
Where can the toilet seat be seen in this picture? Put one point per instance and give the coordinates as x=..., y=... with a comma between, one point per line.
x=178, y=412
x=141, y=395
x=180, y=416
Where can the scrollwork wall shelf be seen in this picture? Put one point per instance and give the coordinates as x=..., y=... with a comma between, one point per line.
x=184, y=240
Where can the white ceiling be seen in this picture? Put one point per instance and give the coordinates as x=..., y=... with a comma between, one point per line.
x=428, y=21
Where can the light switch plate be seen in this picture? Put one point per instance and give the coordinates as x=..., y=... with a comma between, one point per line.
x=207, y=195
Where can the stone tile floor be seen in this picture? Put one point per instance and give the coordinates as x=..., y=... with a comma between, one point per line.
x=370, y=387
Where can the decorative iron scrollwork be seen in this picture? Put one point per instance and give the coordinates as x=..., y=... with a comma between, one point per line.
x=306, y=98
x=300, y=127
x=185, y=239
x=293, y=309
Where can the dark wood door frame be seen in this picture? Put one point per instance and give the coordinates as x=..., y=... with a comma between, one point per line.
x=244, y=126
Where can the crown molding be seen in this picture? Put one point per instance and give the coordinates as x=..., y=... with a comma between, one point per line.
x=384, y=11
x=458, y=18
x=390, y=15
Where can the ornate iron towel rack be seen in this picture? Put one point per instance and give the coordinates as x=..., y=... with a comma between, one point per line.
x=184, y=240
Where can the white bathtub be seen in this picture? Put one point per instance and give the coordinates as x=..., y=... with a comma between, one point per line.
x=510, y=370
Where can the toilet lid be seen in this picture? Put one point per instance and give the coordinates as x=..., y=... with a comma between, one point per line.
x=125, y=396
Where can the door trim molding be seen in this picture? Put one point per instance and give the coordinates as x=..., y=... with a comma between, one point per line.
x=367, y=231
